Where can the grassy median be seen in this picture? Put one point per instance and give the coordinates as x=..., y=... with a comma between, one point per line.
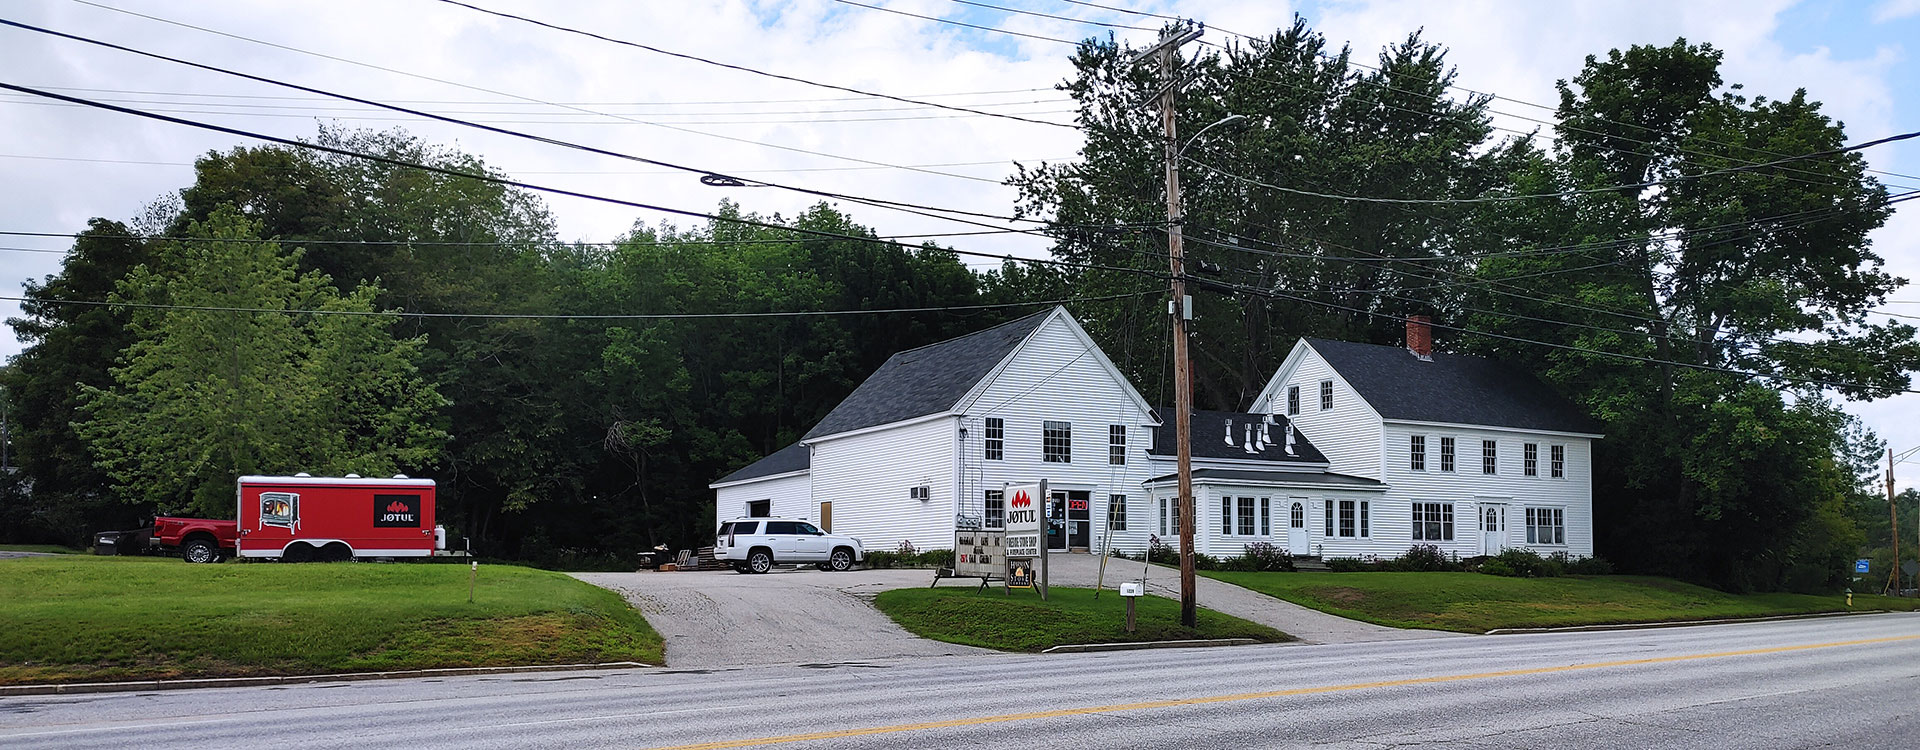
x=70, y=619
x=1020, y=621
x=1477, y=603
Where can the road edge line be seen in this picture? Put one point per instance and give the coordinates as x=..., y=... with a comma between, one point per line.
x=77, y=688
x=1681, y=623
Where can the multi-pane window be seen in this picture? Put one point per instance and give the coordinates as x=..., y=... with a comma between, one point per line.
x=1266, y=518
x=1433, y=522
x=1353, y=520
x=1117, y=444
x=1169, y=516
x=996, y=509
x=1245, y=516
x=996, y=438
x=1326, y=395
x=1327, y=516
x=1056, y=442
x=922, y=493
x=1117, y=512
x=1558, y=461
x=1226, y=515
x=1530, y=460
x=1546, y=526
x=1446, y=454
x=1417, y=454
x=1489, y=457
x=1293, y=400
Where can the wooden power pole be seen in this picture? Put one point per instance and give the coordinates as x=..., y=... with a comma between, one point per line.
x=1168, y=50
x=1893, y=522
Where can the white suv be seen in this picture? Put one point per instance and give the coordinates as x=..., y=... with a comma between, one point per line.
x=755, y=545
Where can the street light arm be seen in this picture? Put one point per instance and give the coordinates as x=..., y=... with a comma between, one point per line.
x=1181, y=152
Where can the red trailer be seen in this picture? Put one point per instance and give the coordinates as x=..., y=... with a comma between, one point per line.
x=302, y=518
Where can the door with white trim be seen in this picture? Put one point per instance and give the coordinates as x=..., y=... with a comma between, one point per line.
x=1493, y=528
x=1297, y=527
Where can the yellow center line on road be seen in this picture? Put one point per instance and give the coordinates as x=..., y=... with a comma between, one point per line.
x=1230, y=698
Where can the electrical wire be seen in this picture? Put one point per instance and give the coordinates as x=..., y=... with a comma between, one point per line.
x=576, y=103
x=959, y=23
x=557, y=172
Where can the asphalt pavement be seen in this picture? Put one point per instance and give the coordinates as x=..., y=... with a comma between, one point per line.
x=1832, y=682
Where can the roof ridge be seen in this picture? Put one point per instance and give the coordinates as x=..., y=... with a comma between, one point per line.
x=965, y=336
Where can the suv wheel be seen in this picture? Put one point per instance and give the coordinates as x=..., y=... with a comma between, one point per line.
x=200, y=551
x=842, y=559
x=759, y=561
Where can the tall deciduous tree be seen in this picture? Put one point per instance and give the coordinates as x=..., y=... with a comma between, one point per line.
x=230, y=374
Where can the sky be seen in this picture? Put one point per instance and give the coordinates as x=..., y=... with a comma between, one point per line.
x=61, y=164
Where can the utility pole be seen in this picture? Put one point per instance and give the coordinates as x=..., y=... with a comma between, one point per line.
x=1893, y=522
x=1168, y=50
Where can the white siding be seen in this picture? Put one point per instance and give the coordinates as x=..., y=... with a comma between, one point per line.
x=1055, y=376
x=1348, y=434
x=1466, y=487
x=791, y=496
x=867, y=477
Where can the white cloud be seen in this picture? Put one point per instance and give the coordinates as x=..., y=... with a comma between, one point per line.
x=1893, y=10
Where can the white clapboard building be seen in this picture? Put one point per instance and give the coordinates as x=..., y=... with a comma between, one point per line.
x=1356, y=469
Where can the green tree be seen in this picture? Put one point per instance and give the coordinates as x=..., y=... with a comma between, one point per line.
x=230, y=374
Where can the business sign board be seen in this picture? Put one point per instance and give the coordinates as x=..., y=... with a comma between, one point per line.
x=1019, y=575
x=1026, y=535
x=979, y=553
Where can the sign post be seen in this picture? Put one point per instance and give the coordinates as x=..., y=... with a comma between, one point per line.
x=1026, y=535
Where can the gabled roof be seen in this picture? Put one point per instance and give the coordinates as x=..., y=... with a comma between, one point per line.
x=1226, y=434
x=787, y=460
x=928, y=380
x=1320, y=478
x=1452, y=388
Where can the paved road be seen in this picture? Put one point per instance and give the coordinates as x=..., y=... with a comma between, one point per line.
x=725, y=619
x=1845, y=682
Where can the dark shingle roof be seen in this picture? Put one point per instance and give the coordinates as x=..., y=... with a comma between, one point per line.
x=792, y=458
x=927, y=380
x=1210, y=431
x=1452, y=388
x=1334, y=481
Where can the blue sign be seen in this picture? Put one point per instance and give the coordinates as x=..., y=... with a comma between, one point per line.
x=1860, y=566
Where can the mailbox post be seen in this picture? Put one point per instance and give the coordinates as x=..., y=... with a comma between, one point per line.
x=1131, y=591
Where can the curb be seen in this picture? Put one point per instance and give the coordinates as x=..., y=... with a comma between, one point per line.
x=74, y=688
x=1082, y=648
x=1680, y=623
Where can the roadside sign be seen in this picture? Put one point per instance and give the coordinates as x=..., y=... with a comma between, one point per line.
x=1860, y=566
x=1019, y=575
x=1026, y=534
x=978, y=553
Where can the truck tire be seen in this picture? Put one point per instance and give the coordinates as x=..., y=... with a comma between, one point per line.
x=841, y=560
x=760, y=560
x=200, y=551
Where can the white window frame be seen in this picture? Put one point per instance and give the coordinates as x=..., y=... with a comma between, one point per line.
x=1226, y=515
x=1117, y=444
x=1490, y=457
x=1356, y=519
x=1417, y=453
x=1116, y=513
x=995, y=448
x=1326, y=394
x=1063, y=441
x=1326, y=518
x=922, y=493
x=1266, y=516
x=1293, y=400
x=1432, y=522
x=1547, y=521
x=990, y=499
x=1448, y=454
x=1530, y=460
x=1244, y=521
x=1557, y=463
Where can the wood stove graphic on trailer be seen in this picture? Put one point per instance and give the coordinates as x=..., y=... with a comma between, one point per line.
x=280, y=509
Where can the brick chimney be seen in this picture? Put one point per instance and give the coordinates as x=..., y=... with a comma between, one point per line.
x=1420, y=337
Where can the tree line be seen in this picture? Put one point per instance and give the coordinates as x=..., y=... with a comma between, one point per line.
x=1657, y=255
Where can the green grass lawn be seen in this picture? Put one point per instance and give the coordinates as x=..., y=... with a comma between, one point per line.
x=1022, y=622
x=70, y=619
x=48, y=548
x=1476, y=603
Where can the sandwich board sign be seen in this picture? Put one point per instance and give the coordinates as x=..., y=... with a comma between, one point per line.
x=978, y=552
x=1026, y=540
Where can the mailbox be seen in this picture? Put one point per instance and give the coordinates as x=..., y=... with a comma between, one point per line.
x=1133, y=588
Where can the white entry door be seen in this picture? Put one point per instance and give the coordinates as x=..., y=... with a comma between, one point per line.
x=1297, y=527
x=1493, y=529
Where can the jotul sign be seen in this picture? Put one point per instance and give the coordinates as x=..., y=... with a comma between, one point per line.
x=1026, y=532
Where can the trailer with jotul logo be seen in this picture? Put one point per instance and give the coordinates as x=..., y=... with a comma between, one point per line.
x=302, y=518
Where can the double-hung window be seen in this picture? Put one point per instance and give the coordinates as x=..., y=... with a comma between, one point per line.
x=1169, y=516
x=1117, y=512
x=1433, y=522
x=1352, y=519
x=1266, y=517
x=996, y=439
x=1326, y=395
x=1530, y=460
x=1117, y=444
x=1489, y=457
x=1546, y=526
x=1056, y=442
x=1328, y=517
x=1446, y=454
x=1226, y=516
x=996, y=502
x=1293, y=400
x=1559, y=461
x=1417, y=454
x=1245, y=517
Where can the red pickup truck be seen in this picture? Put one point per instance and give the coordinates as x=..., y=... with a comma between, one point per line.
x=199, y=540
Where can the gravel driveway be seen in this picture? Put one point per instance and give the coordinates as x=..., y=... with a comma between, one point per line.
x=725, y=619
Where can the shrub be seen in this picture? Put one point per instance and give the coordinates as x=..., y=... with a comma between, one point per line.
x=1423, y=558
x=1263, y=556
x=933, y=558
x=1522, y=563
x=1349, y=565
x=1589, y=566
x=1159, y=552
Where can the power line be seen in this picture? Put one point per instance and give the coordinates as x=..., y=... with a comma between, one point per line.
x=529, y=186
x=560, y=172
x=533, y=100
x=745, y=69
x=1038, y=14
x=937, y=19
x=877, y=202
x=498, y=243
x=576, y=103
x=190, y=100
x=176, y=109
x=568, y=316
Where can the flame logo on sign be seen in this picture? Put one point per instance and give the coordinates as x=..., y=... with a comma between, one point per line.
x=1020, y=499
x=397, y=507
